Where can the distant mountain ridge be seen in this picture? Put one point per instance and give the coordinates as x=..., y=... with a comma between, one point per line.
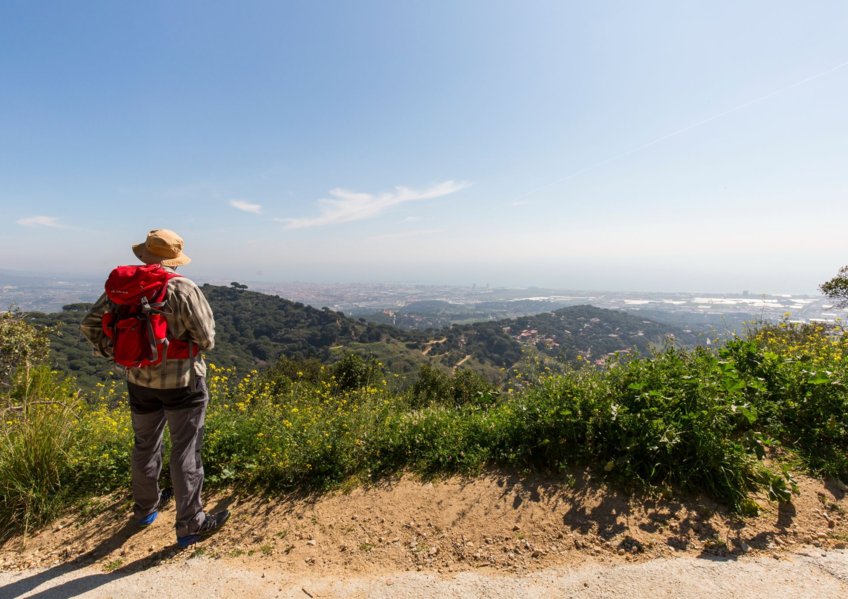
x=254, y=329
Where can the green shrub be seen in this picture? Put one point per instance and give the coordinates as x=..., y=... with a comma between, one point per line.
x=287, y=370
x=432, y=384
x=352, y=372
x=470, y=387
x=462, y=388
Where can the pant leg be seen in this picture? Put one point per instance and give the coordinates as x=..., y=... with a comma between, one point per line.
x=148, y=453
x=186, y=426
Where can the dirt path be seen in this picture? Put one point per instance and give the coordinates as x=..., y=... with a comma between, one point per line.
x=804, y=574
x=461, y=362
x=429, y=345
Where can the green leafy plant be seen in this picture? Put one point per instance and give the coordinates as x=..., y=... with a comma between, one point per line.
x=779, y=487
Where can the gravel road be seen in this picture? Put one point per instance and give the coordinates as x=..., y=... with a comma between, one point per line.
x=802, y=574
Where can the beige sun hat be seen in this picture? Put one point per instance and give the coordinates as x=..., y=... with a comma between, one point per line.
x=162, y=246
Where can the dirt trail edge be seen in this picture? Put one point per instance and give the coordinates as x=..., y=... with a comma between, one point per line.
x=801, y=574
x=499, y=534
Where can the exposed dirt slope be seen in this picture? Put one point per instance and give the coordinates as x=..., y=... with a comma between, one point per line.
x=503, y=523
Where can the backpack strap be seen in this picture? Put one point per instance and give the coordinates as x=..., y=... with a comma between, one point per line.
x=164, y=363
x=151, y=337
x=192, y=377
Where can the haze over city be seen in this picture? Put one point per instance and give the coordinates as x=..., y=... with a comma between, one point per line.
x=608, y=146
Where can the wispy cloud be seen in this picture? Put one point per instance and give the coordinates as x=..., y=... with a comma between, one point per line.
x=410, y=219
x=42, y=221
x=246, y=206
x=522, y=203
x=347, y=206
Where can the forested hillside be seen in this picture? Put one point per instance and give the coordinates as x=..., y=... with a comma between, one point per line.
x=255, y=329
x=251, y=329
x=439, y=314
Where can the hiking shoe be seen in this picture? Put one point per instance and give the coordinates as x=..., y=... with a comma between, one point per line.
x=165, y=495
x=212, y=524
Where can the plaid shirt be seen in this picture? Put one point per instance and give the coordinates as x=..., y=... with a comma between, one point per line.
x=190, y=319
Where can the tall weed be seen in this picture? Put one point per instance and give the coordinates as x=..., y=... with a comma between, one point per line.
x=36, y=434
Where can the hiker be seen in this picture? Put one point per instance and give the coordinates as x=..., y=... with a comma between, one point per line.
x=154, y=323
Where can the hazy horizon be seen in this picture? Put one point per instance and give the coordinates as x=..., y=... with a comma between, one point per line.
x=610, y=146
x=95, y=276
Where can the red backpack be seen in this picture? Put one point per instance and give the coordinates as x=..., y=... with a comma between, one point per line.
x=137, y=323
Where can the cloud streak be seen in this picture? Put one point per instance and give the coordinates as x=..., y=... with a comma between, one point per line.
x=246, y=206
x=348, y=206
x=42, y=221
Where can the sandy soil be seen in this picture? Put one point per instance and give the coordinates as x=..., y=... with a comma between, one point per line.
x=490, y=528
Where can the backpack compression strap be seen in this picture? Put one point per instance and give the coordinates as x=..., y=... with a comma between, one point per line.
x=147, y=309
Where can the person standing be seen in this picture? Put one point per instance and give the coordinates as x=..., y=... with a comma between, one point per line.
x=155, y=323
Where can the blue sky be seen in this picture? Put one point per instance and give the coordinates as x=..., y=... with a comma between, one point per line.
x=436, y=142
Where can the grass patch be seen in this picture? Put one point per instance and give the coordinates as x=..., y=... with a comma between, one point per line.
x=113, y=565
x=715, y=543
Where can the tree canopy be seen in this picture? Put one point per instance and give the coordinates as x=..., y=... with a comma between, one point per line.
x=837, y=288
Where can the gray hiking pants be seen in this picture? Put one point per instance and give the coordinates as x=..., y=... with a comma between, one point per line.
x=184, y=412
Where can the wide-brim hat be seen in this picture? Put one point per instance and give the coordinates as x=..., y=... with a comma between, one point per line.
x=162, y=246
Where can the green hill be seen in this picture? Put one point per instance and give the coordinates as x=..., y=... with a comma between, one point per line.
x=255, y=329
x=439, y=314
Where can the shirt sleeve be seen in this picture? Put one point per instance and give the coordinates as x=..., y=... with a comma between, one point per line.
x=197, y=318
x=92, y=327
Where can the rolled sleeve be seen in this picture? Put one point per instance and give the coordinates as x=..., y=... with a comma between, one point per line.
x=197, y=318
